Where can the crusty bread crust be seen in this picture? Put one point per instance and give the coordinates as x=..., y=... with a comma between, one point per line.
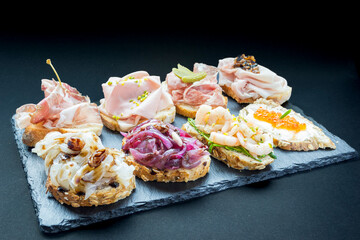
x=166, y=115
x=232, y=94
x=230, y=158
x=307, y=145
x=111, y=123
x=185, y=109
x=312, y=143
x=177, y=175
x=276, y=98
x=36, y=132
x=189, y=110
x=104, y=196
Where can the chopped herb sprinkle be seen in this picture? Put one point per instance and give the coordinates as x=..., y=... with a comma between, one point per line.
x=116, y=117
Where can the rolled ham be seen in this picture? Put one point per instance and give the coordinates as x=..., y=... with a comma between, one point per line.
x=250, y=85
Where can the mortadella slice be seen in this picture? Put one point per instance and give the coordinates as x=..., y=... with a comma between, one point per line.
x=133, y=97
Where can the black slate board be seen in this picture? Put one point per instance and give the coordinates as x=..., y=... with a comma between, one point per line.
x=54, y=217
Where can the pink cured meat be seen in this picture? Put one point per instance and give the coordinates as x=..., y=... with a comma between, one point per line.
x=48, y=86
x=63, y=106
x=205, y=91
x=247, y=84
x=121, y=97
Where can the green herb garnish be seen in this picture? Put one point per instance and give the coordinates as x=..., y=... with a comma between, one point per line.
x=285, y=114
x=272, y=155
x=204, y=135
x=239, y=149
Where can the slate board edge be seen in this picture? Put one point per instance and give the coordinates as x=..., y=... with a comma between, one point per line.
x=179, y=197
x=197, y=192
x=23, y=155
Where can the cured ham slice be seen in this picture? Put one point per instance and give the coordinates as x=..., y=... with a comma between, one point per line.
x=22, y=115
x=134, y=97
x=205, y=91
x=248, y=86
x=62, y=107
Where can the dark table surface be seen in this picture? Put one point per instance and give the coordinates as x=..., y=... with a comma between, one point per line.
x=323, y=203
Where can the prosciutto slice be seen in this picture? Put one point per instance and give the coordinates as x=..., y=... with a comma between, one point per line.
x=133, y=97
x=205, y=91
x=63, y=106
x=247, y=84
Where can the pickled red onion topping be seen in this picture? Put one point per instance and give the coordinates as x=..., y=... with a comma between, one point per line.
x=163, y=146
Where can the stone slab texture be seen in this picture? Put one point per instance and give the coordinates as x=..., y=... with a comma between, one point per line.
x=54, y=217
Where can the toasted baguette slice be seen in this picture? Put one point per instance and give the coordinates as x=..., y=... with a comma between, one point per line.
x=166, y=115
x=82, y=172
x=36, y=132
x=185, y=109
x=167, y=175
x=177, y=175
x=231, y=158
x=279, y=98
x=188, y=110
x=107, y=195
x=312, y=138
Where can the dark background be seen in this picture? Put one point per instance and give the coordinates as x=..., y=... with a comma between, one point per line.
x=317, y=56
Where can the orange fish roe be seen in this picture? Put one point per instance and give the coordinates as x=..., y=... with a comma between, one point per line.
x=288, y=123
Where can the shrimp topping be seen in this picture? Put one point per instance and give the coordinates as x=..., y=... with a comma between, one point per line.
x=228, y=130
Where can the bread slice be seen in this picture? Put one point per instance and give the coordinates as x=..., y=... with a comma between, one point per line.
x=185, y=109
x=82, y=172
x=36, y=132
x=189, y=110
x=107, y=195
x=314, y=140
x=177, y=175
x=166, y=115
x=231, y=158
x=279, y=98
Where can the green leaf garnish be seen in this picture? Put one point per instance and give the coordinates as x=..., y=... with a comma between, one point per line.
x=239, y=149
x=204, y=135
